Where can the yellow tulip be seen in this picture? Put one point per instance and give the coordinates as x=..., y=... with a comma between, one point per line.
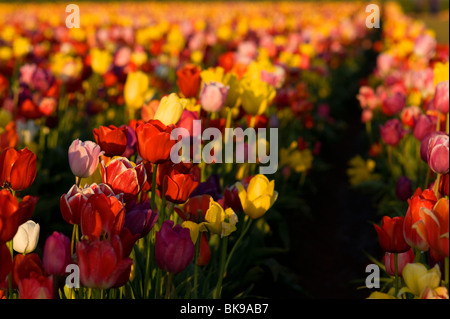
x=259, y=196
x=256, y=96
x=170, y=109
x=220, y=221
x=135, y=88
x=361, y=171
x=21, y=46
x=417, y=278
x=101, y=60
x=380, y=295
x=441, y=72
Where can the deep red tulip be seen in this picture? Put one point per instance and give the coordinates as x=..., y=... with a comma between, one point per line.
x=174, y=249
x=14, y=214
x=124, y=177
x=18, y=168
x=5, y=264
x=56, y=254
x=419, y=200
x=390, y=235
x=102, y=215
x=102, y=264
x=231, y=198
x=112, y=140
x=154, y=142
x=205, y=252
x=188, y=80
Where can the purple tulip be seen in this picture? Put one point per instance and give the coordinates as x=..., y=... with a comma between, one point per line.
x=56, y=254
x=140, y=218
x=131, y=142
x=213, y=96
x=437, y=153
x=424, y=125
x=403, y=188
x=174, y=249
x=84, y=158
x=392, y=132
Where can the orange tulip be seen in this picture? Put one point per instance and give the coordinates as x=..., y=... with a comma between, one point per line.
x=434, y=228
x=188, y=80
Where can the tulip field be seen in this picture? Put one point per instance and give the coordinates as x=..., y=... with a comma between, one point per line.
x=223, y=150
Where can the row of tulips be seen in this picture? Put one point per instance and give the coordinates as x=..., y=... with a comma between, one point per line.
x=405, y=109
x=86, y=122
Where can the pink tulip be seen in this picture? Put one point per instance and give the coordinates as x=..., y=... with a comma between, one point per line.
x=84, y=158
x=438, y=153
x=403, y=259
x=441, y=97
x=392, y=132
x=56, y=254
x=213, y=96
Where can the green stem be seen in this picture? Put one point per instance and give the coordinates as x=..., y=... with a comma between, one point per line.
x=236, y=244
x=197, y=252
x=446, y=271
x=74, y=238
x=169, y=286
x=223, y=255
x=153, y=194
x=436, y=186
x=158, y=283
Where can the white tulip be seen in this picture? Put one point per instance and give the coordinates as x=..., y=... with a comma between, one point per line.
x=26, y=238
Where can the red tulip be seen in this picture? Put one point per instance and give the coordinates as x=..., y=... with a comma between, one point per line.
x=102, y=264
x=420, y=199
x=154, y=142
x=18, y=168
x=390, y=235
x=36, y=287
x=124, y=177
x=13, y=214
x=195, y=209
x=174, y=249
x=205, y=252
x=72, y=202
x=112, y=140
x=102, y=215
x=231, y=198
x=444, y=185
x=434, y=227
x=177, y=186
x=26, y=265
x=188, y=80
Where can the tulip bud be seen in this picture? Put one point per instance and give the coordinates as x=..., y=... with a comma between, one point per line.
x=56, y=254
x=403, y=189
x=188, y=80
x=26, y=238
x=390, y=235
x=213, y=96
x=438, y=153
x=174, y=249
x=84, y=158
x=441, y=97
x=392, y=132
x=169, y=109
